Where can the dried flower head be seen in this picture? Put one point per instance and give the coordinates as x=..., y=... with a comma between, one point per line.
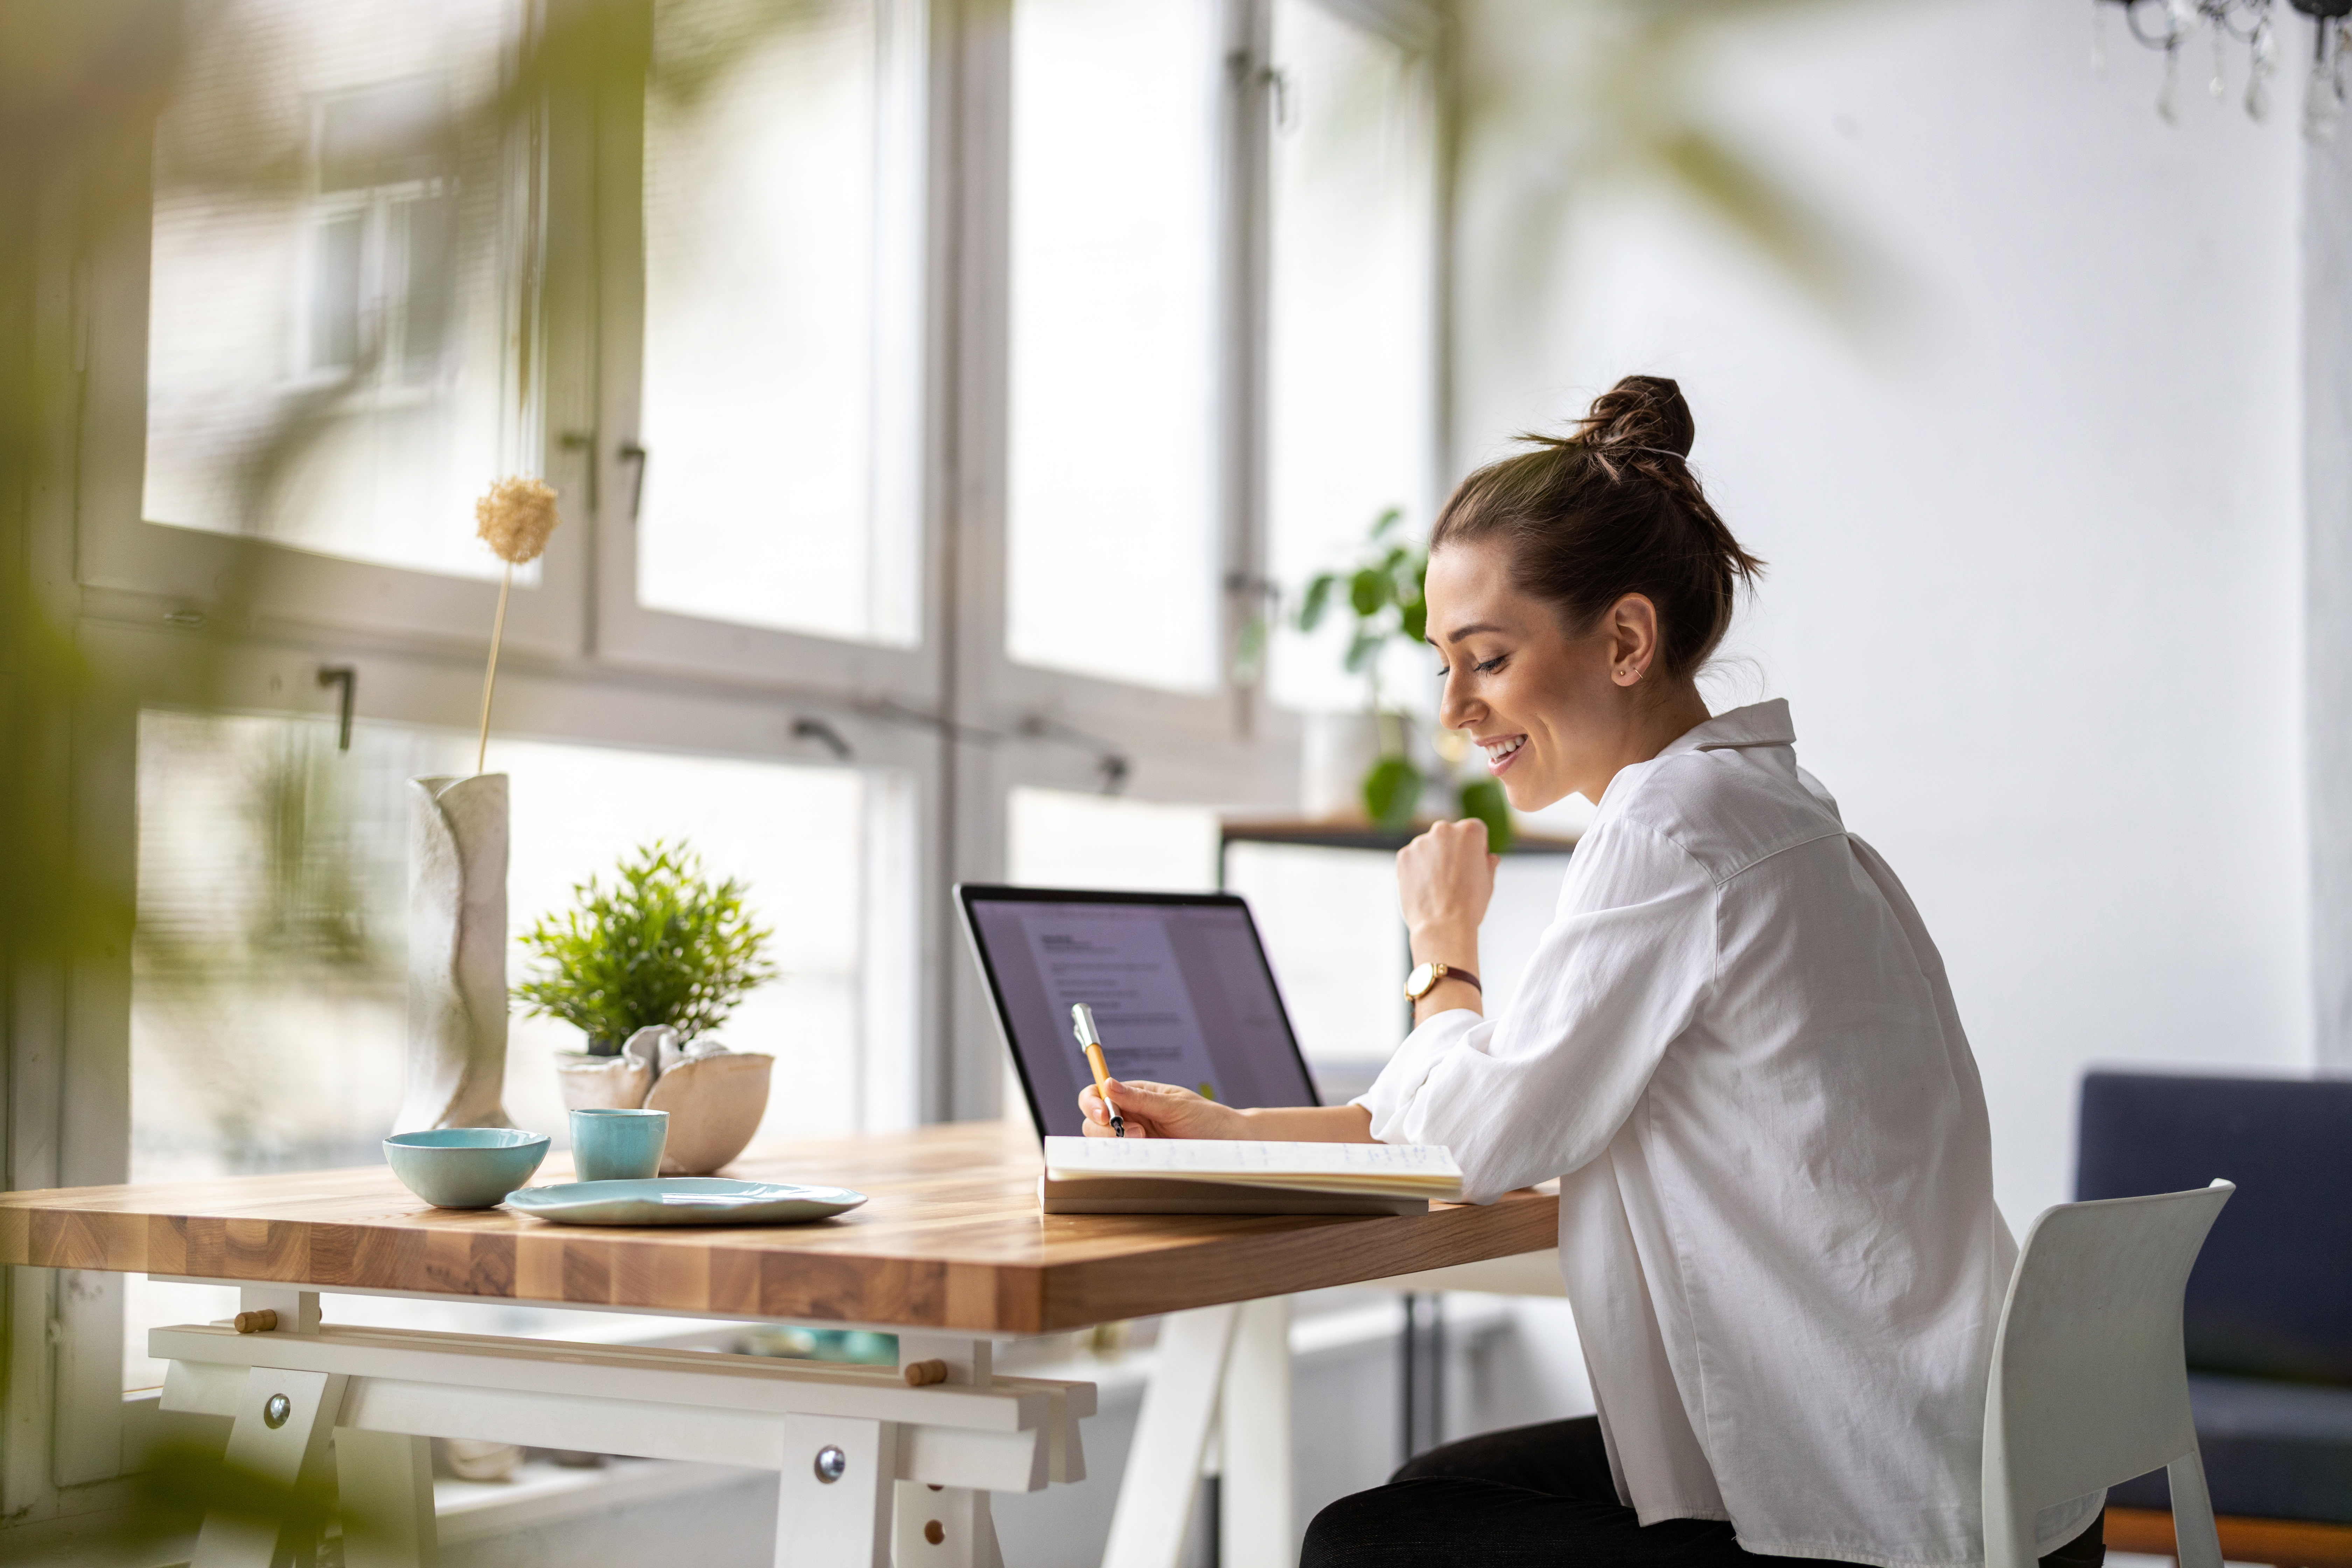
x=515, y=519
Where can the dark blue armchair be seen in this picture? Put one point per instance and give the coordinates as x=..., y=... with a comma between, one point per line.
x=2268, y=1318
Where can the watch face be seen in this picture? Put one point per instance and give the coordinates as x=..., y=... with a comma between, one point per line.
x=1417, y=983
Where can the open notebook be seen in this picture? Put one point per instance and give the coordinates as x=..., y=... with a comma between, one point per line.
x=1166, y=1175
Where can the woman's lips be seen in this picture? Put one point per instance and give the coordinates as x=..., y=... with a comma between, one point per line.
x=1503, y=751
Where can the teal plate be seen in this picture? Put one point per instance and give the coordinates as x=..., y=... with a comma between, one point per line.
x=682, y=1200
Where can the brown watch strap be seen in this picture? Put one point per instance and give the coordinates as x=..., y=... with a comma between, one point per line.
x=1440, y=973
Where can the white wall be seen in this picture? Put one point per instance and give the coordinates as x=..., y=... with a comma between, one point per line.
x=2036, y=586
x=2327, y=481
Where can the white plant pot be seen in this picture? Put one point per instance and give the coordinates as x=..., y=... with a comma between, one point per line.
x=456, y=954
x=714, y=1104
x=715, y=1097
x=1339, y=750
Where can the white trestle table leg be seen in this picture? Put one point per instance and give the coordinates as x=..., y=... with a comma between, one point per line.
x=282, y=1429
x=860, y=1454
x=833, y=1496
x=946, y=1527
x=1254, y=1500
x=384, y=1485
x=1172, y=1436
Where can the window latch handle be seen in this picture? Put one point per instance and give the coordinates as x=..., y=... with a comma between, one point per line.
x=347, y=677
x=630, y=452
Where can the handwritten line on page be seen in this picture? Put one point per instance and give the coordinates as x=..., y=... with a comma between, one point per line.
x=1395, y=1170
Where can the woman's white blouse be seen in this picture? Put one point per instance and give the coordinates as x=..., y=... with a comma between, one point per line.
x=1737, y=1046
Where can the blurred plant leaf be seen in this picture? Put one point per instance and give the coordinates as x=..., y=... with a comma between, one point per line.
x=1413, y=620
x=1483, y=799
x=1317, y=600
x=1391, y=792
x=1249, y=651
x=1559, y=106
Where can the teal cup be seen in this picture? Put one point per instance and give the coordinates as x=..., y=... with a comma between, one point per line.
x=618, y=1145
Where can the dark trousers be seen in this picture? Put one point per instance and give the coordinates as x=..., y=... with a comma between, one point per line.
x=1540, y=1496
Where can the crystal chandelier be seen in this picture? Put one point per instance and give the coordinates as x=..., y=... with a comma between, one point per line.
x=2171, y=25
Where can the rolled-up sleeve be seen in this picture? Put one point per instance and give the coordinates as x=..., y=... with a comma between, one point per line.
x=1539, y=1092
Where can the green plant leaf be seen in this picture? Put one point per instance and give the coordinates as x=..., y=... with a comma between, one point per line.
x=1362, y=650
x=1318, y=600
x=1249, y=652
x=1368, y=591
x=663, y=945
x=1387, y=521
x=1483, y=799
x=1415, y=618
x=1391, y=792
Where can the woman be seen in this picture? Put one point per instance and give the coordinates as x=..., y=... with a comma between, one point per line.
x=1735, y=1045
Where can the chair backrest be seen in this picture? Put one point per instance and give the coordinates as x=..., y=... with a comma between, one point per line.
x=2272, y=1294
x=2088, y=1385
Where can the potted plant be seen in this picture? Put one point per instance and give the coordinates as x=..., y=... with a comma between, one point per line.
x=663, y=946
x=1384, y=593
x=646, y=968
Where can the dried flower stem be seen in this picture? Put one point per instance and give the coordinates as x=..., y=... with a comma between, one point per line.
x=514, y=518
x=490, y=679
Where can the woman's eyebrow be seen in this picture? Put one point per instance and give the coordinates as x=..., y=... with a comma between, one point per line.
x=1458, y=633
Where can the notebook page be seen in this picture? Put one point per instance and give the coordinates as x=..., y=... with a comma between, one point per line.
x=1416, y=1170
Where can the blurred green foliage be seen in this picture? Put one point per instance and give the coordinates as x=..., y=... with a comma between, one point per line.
x=1386, y=593
x=662, y=946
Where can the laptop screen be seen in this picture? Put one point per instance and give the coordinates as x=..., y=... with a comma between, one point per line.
x=1177, y=982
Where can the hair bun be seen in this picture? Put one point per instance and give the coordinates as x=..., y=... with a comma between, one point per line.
x=1639, y=413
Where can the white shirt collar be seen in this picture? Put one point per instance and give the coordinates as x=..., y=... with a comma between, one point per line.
x=1758, y=724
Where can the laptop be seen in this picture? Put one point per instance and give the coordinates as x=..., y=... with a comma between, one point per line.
x=1179, y=983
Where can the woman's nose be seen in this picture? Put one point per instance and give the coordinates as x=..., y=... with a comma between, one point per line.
x=1456, y=709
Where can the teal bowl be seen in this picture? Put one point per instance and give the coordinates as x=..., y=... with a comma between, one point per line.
x=465, y=1167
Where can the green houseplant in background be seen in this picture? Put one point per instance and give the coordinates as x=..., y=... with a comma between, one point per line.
x=663, y=945
x=1384, y=593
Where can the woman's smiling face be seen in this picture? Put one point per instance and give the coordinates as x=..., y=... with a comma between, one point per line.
x=1553, y=713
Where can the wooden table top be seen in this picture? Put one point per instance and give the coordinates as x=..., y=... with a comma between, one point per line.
x=951, y=1238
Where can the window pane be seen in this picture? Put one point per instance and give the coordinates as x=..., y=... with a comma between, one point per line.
x=270, y=983
x=1058, y=838
x=1351, y=356
x=1337, y=944
x=337, y=240
x=1111, y=498
x=782, y=353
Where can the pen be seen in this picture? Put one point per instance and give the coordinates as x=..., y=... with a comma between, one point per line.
x=1082, y=1023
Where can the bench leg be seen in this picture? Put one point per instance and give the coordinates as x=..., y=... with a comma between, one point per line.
x=384, y=1485
x=279, y=1440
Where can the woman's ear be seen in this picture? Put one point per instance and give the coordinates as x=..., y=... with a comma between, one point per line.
x=1633, y=640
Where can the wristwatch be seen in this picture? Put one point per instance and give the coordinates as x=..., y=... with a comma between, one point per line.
x=1424, y=979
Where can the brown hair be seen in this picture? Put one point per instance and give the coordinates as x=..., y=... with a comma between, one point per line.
x=1612, y=509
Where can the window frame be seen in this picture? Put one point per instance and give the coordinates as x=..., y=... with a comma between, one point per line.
x=948, y=728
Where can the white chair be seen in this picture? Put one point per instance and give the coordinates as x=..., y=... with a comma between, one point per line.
x=2089, y=1386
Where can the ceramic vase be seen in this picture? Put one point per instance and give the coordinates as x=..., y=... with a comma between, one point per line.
x=456, y=954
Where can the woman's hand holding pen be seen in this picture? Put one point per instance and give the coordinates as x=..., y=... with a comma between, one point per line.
x=1164, y=1111
x=1160, y=1110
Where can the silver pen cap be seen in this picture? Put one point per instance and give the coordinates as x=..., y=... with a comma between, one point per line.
x=1082, y=1023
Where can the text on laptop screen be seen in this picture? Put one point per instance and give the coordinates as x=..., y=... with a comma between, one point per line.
x=1180, y=993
